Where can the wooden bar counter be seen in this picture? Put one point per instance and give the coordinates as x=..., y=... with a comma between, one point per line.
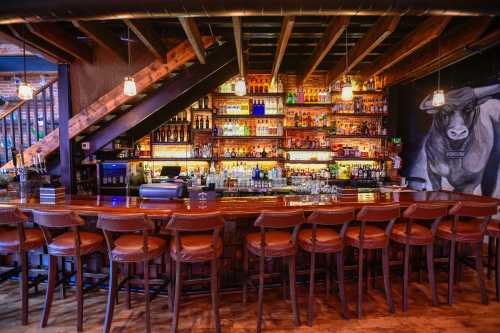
x=234, y=207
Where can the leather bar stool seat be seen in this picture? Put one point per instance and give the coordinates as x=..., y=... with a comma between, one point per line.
x=64, y=244
x=419, y=234
x=196, y=248
x=9, y=240
x=493, y=228
x=375, y=237
x=130, y=248
x=467, y=231
x=327, y=240
x=278, y=244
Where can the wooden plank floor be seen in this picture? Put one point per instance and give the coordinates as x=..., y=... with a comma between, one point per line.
x=468, y=315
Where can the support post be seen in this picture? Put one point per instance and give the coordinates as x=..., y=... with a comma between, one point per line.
x=64, y=98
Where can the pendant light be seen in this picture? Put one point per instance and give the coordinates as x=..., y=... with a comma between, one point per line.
x=129, y=88
x=240, y=87
x=25, y=91
x=346, y=87
x=438, y=97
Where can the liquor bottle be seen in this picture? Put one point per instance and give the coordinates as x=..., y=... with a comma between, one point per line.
x=162, y=134
x=197, y=123
x=176, y=134
x=207, y=123
x=181, y=134
x=297, y=119
x=169, y=134
x=300, y=95
x=157, y=135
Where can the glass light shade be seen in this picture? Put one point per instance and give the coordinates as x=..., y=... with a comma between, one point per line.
x=438, y=98
x=240, y=88
x=346, y=91
x=129, y=88
x=25, y=91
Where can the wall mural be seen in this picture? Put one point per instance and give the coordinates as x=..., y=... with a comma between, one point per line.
x=461, y=150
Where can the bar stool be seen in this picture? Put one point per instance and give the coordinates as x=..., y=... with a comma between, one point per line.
x=274, y=244
x=74, y=243
x=326, y=240
x=369, y=237
x=19, y=241
x=196, y=246
x=410, y=233
x=493, y=232
x=135, y=245
x=457, y=230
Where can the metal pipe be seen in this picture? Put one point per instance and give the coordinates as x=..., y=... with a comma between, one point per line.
x=15, y=11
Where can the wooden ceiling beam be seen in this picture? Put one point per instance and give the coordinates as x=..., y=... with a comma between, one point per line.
x=238, y=43
x=53, y=34
x=7, y=36
x=194, y=37
x=148, y=36
x=424, y=33
x=32, y=40
x=103, y=37
x=384, y=26
x=336, y=27
x=457, y=39
x=286, y=32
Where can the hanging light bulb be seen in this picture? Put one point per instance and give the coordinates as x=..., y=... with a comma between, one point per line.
x=438, y=97
x=240, y=88
x=25, y=91
x=129, y=88
x=347, y=90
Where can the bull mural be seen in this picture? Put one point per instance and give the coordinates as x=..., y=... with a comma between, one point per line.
x=462, y=145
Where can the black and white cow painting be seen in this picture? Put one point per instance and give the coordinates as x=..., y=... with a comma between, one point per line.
x=462, y=147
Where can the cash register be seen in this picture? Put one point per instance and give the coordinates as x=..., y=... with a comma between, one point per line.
x=168, y=186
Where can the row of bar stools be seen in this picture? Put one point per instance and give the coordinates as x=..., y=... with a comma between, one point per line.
x=20, y=241
x=74, y=243
x=493, y=232
x=129, y=241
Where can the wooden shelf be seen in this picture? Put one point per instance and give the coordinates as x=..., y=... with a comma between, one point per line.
x=247, y=137
x=345, y=158
x=293, y=128
x=375, y=114
x=249, y=95
x=245, y=116
x=202, y=109
x=308, y=162
x=307, y=149
x=310, y=105
x=173, y=159
x=271, y=159
x=171, y=143
x=346, y=136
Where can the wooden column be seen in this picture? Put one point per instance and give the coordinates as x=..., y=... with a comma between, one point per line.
x=64, y=98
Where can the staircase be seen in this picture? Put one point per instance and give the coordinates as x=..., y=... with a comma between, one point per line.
x=28, y=122
x=96, y=116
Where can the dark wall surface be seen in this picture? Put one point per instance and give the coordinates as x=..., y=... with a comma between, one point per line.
x=457, y=146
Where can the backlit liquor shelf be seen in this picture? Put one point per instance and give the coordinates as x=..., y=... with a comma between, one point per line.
x=269, y=132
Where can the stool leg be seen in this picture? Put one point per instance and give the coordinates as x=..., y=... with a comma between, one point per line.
x=406, y=276
x=293, y=289
x=245, y=273
x=340, y=278
x=62, y=290
x=261, y=294
x=49, y=294
x=24, y=287
x=430, y=271
x=491, y=243
x=387, y=279
x=215, y=294
x=146, y=295
x=480, y=271
x=497, y=270
x=79, y=293
x=128, y=268
x=177, y=295
x=451, y=273
x=360, y=283
x=111, y=296
x=171, y=286
x=310, y=306
x=328, y=277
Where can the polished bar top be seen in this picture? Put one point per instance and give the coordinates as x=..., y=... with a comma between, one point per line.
x=234, y=206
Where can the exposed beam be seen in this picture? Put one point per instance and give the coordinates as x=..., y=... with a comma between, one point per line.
x=113, y=99
x=483, y=43
x=53, y=34
x=238, y=44
x=457, y=39
x=103, y=37
x=384, y=26
x=286, y=32
x=6, y=35
x=424, y=33
x=146, y=34
x=194, y=37
x=332, y=33
x=36, y=42
x=153, y=106
x=53, y=10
